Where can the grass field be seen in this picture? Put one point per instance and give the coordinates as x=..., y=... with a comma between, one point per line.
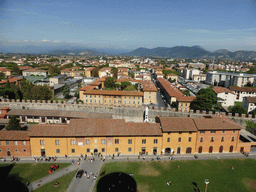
x=28, y=172
x=63, y=184
x=153, y=176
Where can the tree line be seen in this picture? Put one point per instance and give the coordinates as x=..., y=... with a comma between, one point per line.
x=26, y=91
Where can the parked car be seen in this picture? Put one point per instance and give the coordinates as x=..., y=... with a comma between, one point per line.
x=79, y=174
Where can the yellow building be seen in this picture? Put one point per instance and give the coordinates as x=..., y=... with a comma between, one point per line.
x=169, y=135
x=179, y=134
x=149, y=92
x=89, y=95
x=94, y=136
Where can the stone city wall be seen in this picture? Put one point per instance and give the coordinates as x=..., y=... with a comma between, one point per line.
x=127, y=113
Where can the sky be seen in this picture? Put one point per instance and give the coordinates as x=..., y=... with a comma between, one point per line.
x=130, y=24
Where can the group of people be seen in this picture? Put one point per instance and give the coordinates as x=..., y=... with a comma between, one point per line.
x=15, y=159
x=56, y=184
x=46, y=159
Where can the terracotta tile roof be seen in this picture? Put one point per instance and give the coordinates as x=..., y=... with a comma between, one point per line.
x=11, y=80
x=251, y=99
x=215, y=123
x=176, y=124
x=87, y=87
x=173, y=91
x=48, y=130
x=148, y=86
x=14, y=135
x=35, y=70
x=218, y=90
x=57, y=113
x=114, y=92
x=97, y=127
x=243, y=89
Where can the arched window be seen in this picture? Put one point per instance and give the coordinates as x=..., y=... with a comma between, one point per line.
x=221, y=149
x=200, y=149
x=231, y=149
x=210, y=149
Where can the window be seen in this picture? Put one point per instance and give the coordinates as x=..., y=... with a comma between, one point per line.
x=7, y=142
x=42, y=142
x=190, y=132
x=234, y=131
x=212, y=139
x=116, y=149
x=16, y=150
x=57, y=150
x=179, y=140
x=73, y=150
x=129, y=149
x=0, y=143
x=233, y=138
x=95, y=140
x=102, y=141
x=189, y=139
x=15, y=142
x=155, y=141
x=223, y=131
x=116, y=141
x=143, y=141
x=103, y=150
x=23, y=142
x=57, y=142
x=88, y=150
x=72, y=142
x=24, y=150
x=168, y=139
x=222, y=139
x=129, y=141
x=213, y=132
x=180, y=132
x=202, y=132
x=87, y=141
x=201, y=139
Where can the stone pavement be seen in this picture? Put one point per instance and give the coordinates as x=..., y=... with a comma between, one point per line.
x=83, y=184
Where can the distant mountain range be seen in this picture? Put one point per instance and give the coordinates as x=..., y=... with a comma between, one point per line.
x=191, y=52
x=167, y=52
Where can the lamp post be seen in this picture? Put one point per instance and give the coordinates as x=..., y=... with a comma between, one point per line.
x=206, y=183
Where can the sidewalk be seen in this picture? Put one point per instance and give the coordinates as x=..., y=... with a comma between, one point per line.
x=53, y=176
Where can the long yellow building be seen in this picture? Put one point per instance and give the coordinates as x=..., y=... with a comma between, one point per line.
x=169, y=135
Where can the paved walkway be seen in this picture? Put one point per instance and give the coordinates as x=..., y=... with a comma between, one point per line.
x=83, y=184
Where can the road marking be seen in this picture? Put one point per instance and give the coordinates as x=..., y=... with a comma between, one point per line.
x=218, y=157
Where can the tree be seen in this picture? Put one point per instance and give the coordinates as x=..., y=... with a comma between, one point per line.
x=237, y=109
x=14, y=124
x=95, y=72
x=207, y=100
x=115, y=72
x=110, y=82
x=2, y=76
x=16, y=70
x=54, y=70
x=124, y=84
x=187, y=93
x=66, y=91
x=130, y=88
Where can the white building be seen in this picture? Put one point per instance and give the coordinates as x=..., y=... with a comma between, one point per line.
x=227, y=96
x=249, y=103
x=242, y=92
x=189, y=73
x=229, y=79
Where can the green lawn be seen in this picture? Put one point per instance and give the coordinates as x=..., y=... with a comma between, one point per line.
x=154, y=176
x=63, y=184
x=238, y=103
x=28, y=172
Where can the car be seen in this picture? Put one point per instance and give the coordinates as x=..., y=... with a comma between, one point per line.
x=79, y=174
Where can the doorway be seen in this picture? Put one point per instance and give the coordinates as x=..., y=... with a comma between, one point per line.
x=143, y=150
x=188, y=150
x=231, y=149
x=241, y=149
x=154, y=150
x=221, y=149
x=8, y=153
x=167, y=150
x=210, y=149
x=178, y=150
x=43, y=154
x=200, y=149
x=95, y=151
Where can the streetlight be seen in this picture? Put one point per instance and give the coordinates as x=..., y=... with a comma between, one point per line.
x=206, y=182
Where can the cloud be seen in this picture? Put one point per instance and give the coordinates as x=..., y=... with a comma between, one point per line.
x=45, y=40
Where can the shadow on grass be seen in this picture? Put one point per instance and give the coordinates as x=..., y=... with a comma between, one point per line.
x=196, y=189
x=11, y=182
x=116, y=182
